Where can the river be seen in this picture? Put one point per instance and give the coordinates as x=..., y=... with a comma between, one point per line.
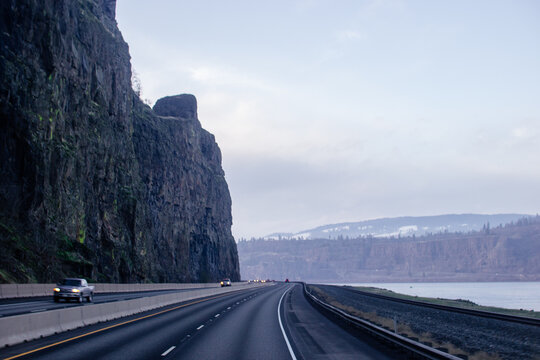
x=510, y=295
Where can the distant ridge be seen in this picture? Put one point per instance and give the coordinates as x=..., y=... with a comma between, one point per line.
x=497, y=253
x=402, y=226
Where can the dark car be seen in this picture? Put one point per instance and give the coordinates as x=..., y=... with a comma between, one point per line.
x=225, y=282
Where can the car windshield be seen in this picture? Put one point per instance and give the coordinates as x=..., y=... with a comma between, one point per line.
x=71, y=282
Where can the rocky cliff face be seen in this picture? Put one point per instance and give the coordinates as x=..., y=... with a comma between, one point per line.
x=93, y=182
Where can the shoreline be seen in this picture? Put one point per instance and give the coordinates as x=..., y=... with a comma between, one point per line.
x=507, y=295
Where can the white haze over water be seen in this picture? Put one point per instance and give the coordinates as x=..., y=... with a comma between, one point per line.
x=330, y=112
x=509, y=295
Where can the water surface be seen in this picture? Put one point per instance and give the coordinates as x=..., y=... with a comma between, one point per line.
x=510, y=295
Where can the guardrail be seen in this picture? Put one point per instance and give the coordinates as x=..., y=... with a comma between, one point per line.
x=415, y=347
x=26, y=327
x=30, y=290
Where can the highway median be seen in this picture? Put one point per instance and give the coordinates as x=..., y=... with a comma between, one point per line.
x=27, y=327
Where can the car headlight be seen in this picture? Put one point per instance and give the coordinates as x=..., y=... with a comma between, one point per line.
x=56, y=289
x=75, y=290
x=222, y=283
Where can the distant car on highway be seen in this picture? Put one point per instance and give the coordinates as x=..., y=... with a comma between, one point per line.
x=225, y=282
x=73, y=289
x=286, y=280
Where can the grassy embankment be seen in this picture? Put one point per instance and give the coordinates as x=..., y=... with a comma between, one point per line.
x=459, y=303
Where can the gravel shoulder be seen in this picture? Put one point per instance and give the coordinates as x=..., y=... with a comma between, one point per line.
x=460, y=334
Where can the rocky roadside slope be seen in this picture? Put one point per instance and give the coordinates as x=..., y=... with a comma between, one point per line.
x=93, y=182
x=479, y=338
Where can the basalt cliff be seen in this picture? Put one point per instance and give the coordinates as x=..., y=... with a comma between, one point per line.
x=93, y=182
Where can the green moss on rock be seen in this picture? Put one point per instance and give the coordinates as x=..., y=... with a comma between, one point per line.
x=106, y=188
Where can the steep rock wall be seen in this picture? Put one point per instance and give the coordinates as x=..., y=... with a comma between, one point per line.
x=93, y=182
x=189, y=202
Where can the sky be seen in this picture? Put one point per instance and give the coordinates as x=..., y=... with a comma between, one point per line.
x=336, y=111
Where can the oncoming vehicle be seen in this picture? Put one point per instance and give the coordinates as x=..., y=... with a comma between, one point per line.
x=73, y=289
x=225, y=282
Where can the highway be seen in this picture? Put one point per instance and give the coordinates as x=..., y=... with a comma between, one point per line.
x=273, y=322
x=10, y=307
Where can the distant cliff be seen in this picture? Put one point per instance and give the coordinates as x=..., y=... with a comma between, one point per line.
x=92, y=181
x=494, y=254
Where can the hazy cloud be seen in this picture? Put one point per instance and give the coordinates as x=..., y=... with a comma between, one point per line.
x=342, y=112
x=349, y=35
x=524, y=133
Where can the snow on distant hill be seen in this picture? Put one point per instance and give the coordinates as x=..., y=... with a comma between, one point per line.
x=402, y=226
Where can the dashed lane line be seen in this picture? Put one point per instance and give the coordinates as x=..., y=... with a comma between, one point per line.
x=115, y=325
x=168, y=351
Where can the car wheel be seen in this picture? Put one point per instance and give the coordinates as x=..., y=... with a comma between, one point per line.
x=89, y=298
x=56, y=299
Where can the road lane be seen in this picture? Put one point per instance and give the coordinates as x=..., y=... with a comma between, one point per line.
x=239, y=325
x=316, y=337
x=11, y=307
x=251, y=332
x=138, y=339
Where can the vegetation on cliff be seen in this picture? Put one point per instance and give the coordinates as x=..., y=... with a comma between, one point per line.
x=93, y=182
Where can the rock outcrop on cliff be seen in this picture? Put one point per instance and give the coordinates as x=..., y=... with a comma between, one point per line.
x=93, y=182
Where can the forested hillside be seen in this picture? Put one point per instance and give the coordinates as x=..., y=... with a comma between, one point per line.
x=510, y=252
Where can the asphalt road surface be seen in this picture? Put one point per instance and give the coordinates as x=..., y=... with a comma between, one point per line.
x=18, y=306
x=273, y=322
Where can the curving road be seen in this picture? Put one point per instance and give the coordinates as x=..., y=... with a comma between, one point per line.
x=274, y=322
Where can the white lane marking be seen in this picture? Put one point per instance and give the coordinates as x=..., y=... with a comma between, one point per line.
x=229, y=308
x=168, y=351
x=200, y=327
x=281, y=326
x=216, y=315
x=22, y=304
